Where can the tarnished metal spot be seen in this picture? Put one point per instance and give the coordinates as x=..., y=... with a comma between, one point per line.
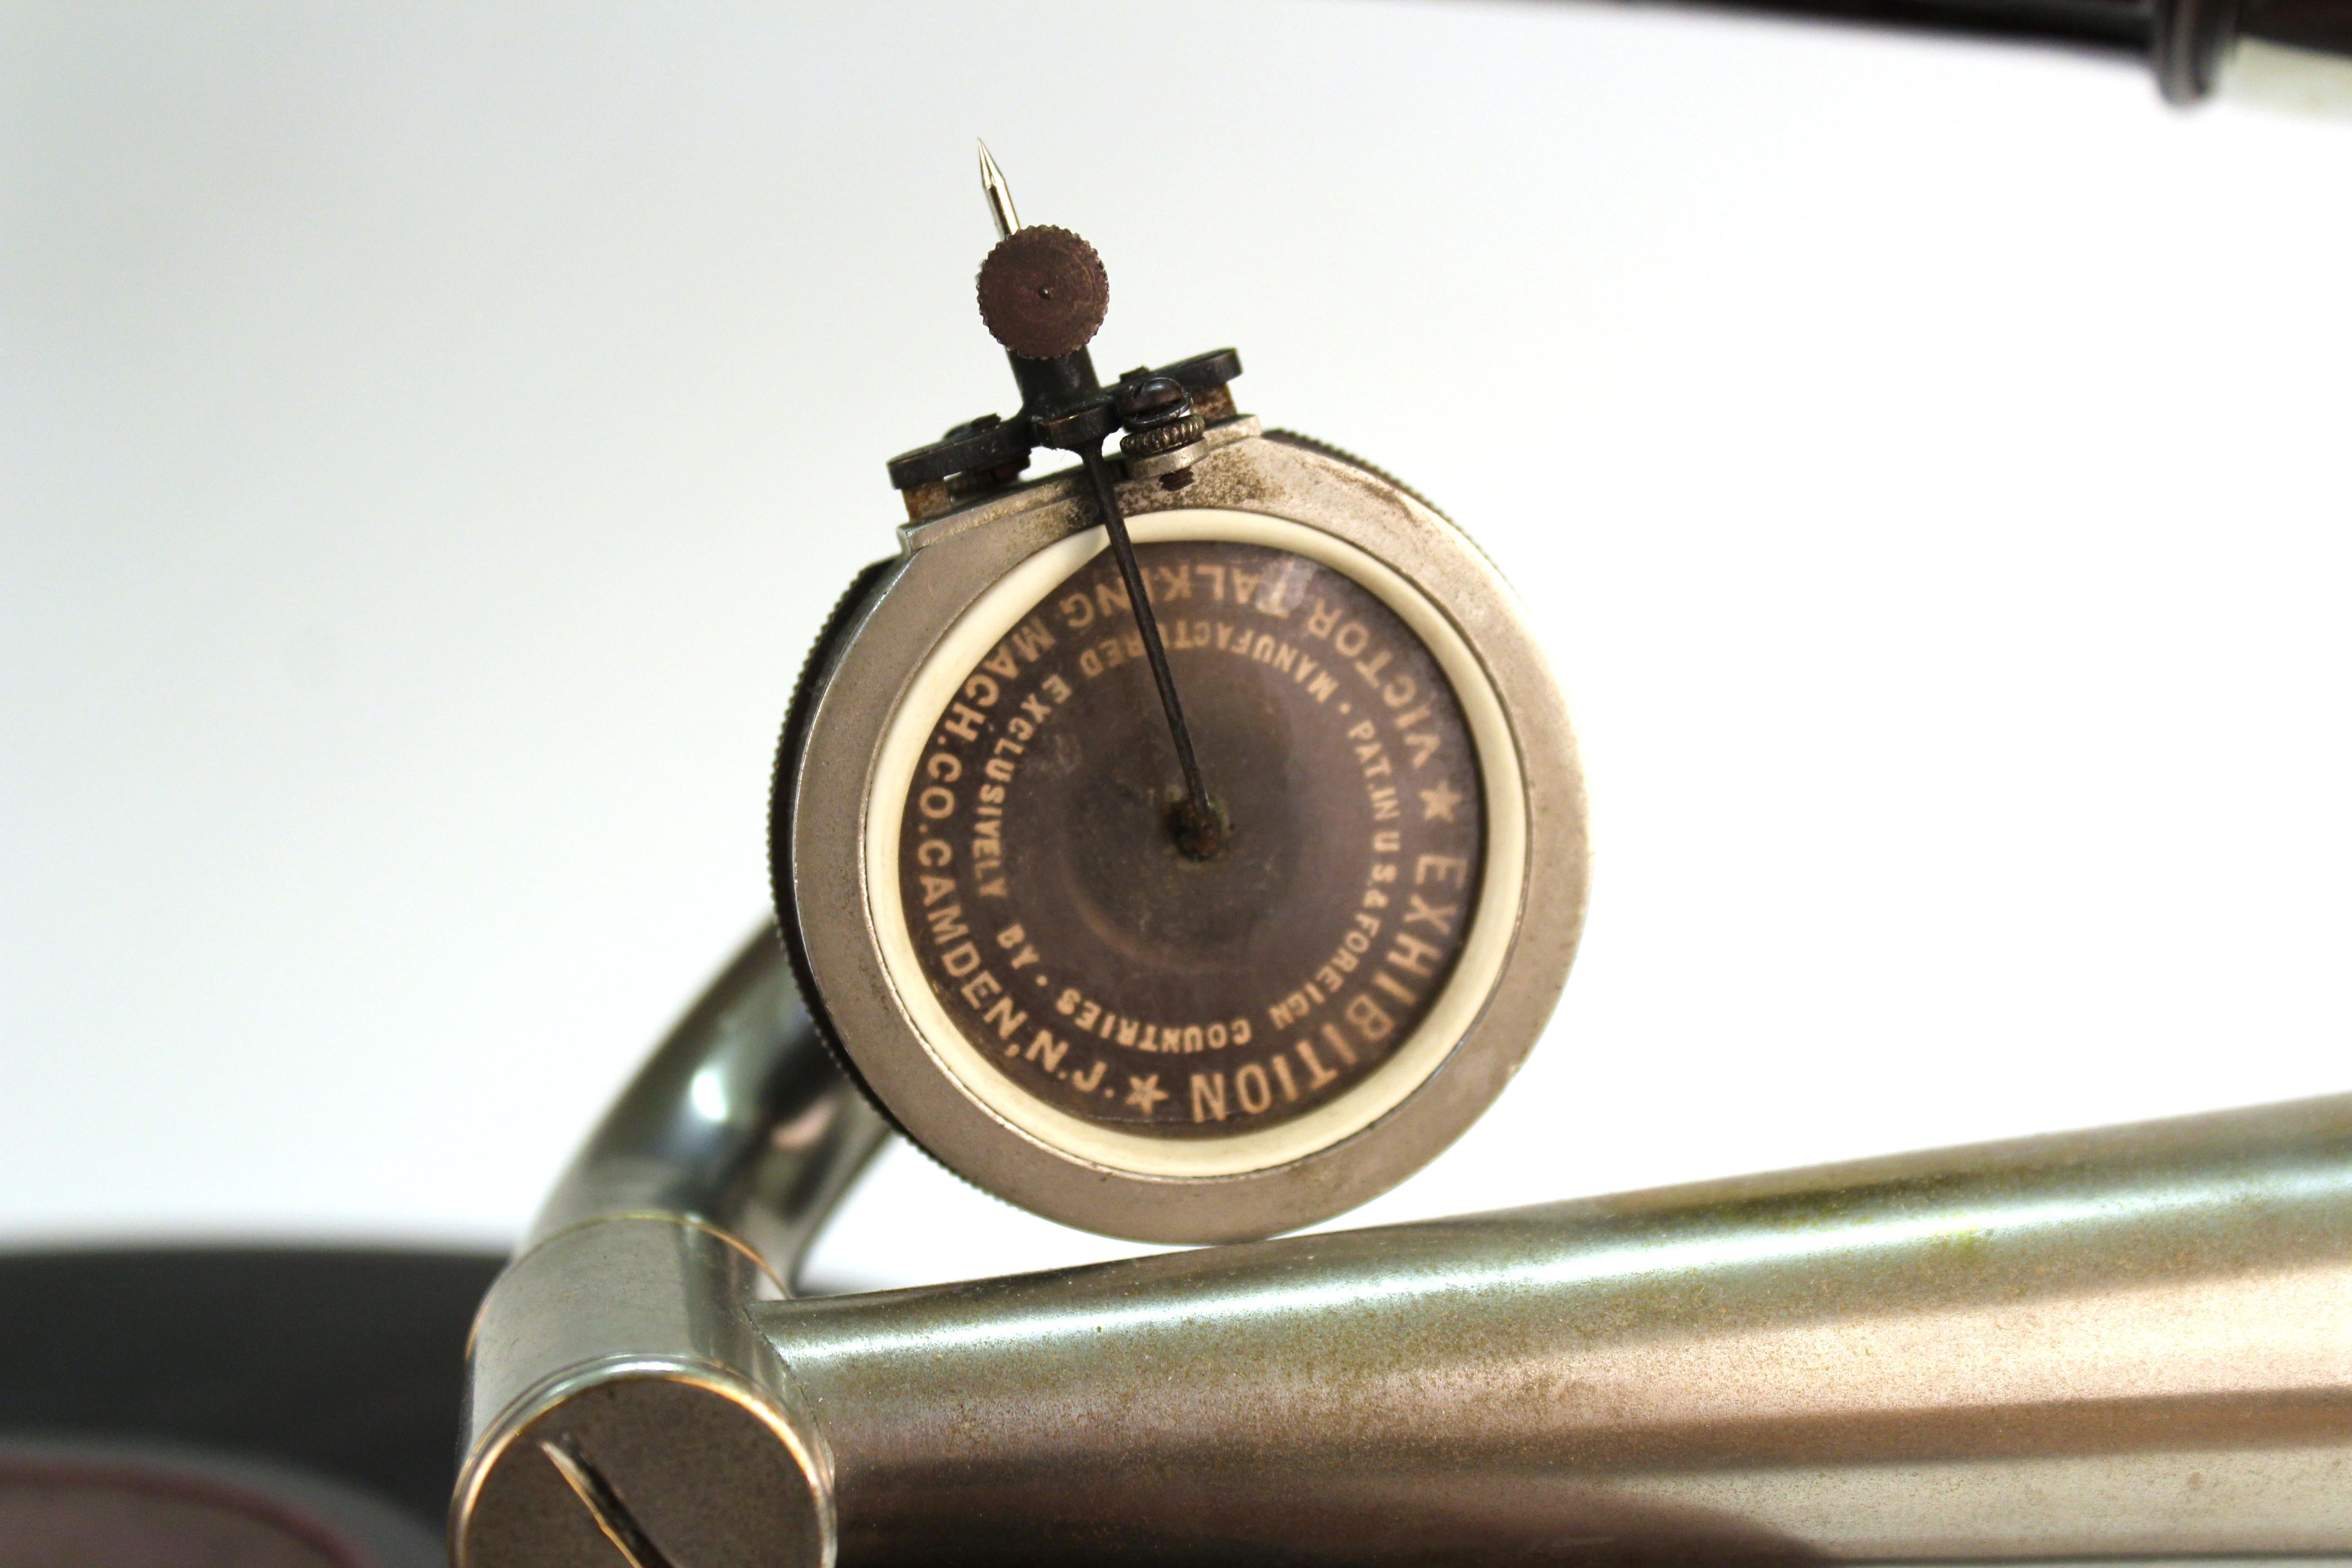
x=1044, y=292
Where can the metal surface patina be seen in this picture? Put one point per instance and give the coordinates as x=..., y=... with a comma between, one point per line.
x=1042, y=292
x=2136, y=1340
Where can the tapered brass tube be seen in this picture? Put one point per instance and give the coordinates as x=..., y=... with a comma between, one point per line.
x=2132, y=1341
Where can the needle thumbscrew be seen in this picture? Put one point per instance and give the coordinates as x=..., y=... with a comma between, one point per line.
x=1042, y=293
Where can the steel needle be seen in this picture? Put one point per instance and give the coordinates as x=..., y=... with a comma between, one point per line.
x=1000, y=196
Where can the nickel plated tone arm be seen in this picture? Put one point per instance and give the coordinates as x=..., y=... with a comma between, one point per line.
x=2130, y=1341
x=612, y=1366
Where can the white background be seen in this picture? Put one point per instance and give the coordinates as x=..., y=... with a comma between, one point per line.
x=432, y=435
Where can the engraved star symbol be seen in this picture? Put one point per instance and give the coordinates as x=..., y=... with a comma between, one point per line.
x=1438, y=804
x=1144, y=1093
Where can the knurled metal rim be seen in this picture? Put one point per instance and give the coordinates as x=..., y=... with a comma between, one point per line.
x=1015, y=290
x=1156, y=438
x=826, y=786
